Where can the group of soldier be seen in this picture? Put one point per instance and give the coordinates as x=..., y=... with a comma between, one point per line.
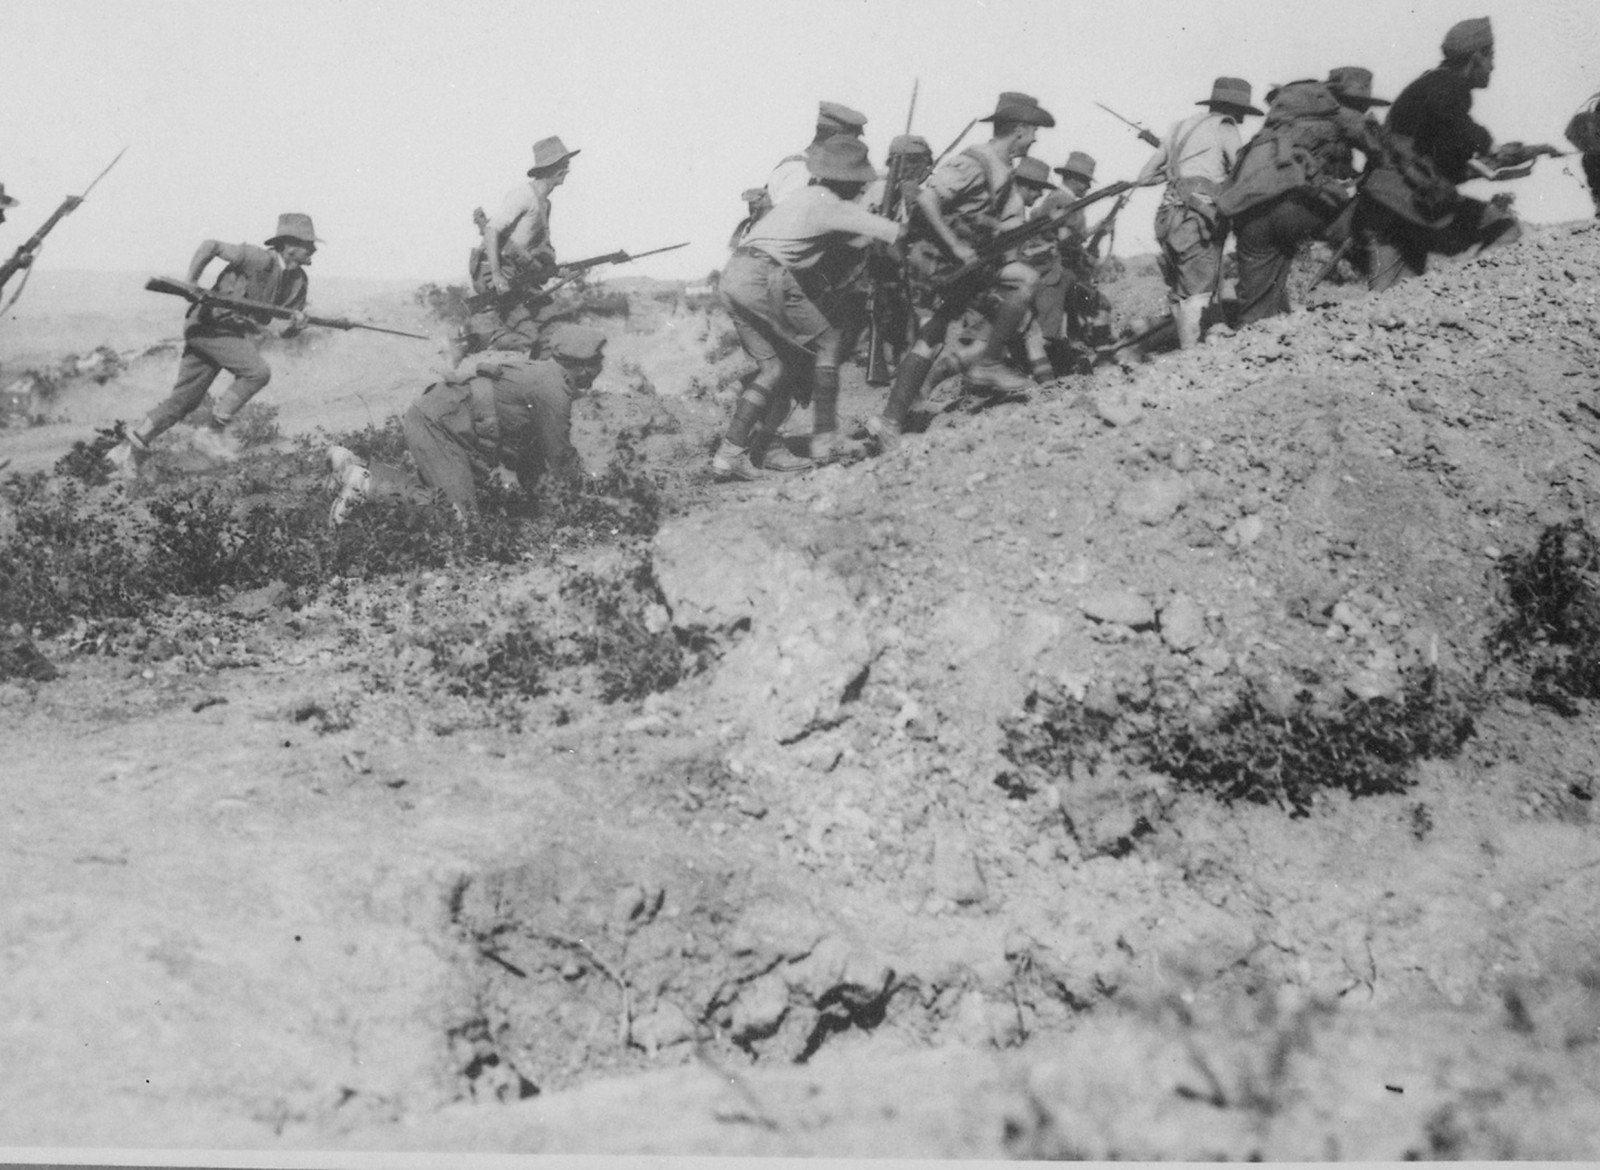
x=515, y=366
x=992, y=268
x=975, y=263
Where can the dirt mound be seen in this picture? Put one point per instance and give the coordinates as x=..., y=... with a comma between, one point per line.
x=1139, y=772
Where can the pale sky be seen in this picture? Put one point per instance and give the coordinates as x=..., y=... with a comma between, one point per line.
x=390, y=120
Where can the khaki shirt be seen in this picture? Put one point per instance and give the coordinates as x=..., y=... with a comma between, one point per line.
x=522, y=225
x=975, y=185
x=258, y=275
x=1204, y=145
x=787, y=177
x=799, y=231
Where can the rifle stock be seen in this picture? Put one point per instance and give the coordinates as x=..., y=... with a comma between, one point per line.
x=200, y=296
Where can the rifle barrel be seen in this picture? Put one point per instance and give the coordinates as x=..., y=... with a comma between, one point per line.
x=198, y=295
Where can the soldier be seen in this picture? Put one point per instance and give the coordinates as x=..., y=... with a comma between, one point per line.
x=789, y=288
x=1295, y=179
x=1073, y=315
x=7, y=201
x=968, y=198
x=1433, y=118
x=515, y=258
x=1197, y=154
x=503, y=410
x=217, y=339
x=910, y=160
x=791, y=174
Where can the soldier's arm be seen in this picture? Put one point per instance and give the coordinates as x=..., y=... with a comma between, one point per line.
x=928, y=203
x=1155, y=166
x=210, y=250
x=517, y=204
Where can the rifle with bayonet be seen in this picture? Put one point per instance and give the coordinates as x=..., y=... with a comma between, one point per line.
x=23, y=256
x=194, y=294
x=1145, y=133
x=569, y=272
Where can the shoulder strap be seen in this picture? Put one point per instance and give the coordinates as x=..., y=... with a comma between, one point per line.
x=1177, y=150
x=999, y=185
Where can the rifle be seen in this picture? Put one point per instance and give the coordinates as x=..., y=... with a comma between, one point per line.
x=569, y=272
x=955, y=142
x=23, y=256
x=1106, y=226
x=879, y=310
x=1145, y=134
x=194, y=294
x=996, y=249
x=1511, y=160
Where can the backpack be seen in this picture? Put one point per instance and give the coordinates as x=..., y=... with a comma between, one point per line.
x=1289, y=151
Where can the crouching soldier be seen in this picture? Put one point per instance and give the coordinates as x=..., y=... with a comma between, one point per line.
x=216, y=339
x=792, y=290
x=497, y=410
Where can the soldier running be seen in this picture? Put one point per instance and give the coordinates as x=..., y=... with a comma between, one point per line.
x=790, y=289
x=217, y=339
x=500, y=410
x=7, y=202
x=1195, y=158
x=968, y=199
x=514, y=259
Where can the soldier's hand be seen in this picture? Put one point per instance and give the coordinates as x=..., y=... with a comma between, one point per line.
x=500, y=282
x=965, y=252
x=299, y=321
x=1509, y=154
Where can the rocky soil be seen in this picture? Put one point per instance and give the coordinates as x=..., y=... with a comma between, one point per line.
x=1130, y=773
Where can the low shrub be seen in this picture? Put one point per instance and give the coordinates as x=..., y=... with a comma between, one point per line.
x=1249, y=751
x=1553, y=628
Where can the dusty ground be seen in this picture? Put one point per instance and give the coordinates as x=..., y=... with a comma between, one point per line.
x=275, y=882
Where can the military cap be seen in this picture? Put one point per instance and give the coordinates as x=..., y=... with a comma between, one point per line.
x=6, y=200
x=294, y=225
x=909, y=144
x=1468, y=37
x=1352, y=85
x=576, y=343
x=1020, y=107
x=549, y=152
x=841, y=119
x=1078, y=164
x=1231, y=93
x=1032, y=170
x=842, y=158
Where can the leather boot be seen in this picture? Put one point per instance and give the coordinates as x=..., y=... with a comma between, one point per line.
x=732, y=461
x=888, y=426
